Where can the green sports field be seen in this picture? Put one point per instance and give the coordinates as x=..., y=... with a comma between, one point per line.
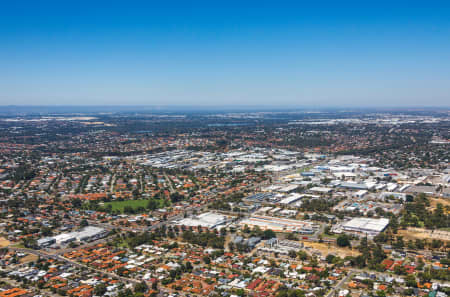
x=120, y=205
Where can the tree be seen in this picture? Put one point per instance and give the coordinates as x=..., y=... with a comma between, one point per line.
x=400, y=270
x=100, y=290
x=29, y=242
x=152, y=204
x=330, y=258
x=84, y=223
x=292, y=254
x=77, y=203
x=155, y=285
x=343, y=240
x=284, y=292
x=231, y=246
x=435, y=244
x=381, y=238
x=135, y=193
x=176, y=197
x=291, y=236
x=410, y=281
x=302, y=255
x=268, y=234
x=207, y=260
x=46, y=231
x=223, y=231
x=141, y=287
x=420, y=244
x=125, y=293
x=128, y=209
x=399, y=244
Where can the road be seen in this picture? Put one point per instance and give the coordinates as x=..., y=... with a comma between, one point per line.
x=169, y=182
x=18, y=284
x=113, y=181
x=378, y=274
x=43, y=254
x=341, y=282
x=58, y=255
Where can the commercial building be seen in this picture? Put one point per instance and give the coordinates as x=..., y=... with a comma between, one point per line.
x=353, y=186
x=45, y=242
x=208, y=220
x=360, y=193
x=86, y=234
x=251, y=242
x=294, y=197
x=280, y=246
x=367, y=226
x=90, y=233
x=288, y=188
x=308, y=173
x=427, y=190
x=65, y=238
x=322, y=190
x=279, y=224
x=396, y=195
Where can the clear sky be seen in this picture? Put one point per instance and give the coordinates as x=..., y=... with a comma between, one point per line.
x=313, y=53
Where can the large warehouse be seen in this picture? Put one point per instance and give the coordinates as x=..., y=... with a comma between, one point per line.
x=278, y=224
x=86, y=234
x=206, y=220
x=370, y=227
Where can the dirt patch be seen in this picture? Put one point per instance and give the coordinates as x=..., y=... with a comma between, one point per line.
x=29, y=258
x=4, y=242
x=420, y=233
x=435, y=201
x=326, y=249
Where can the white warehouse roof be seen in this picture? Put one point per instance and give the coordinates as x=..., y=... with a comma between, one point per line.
x=291, y=198
x=206, y=220
x=366, y=224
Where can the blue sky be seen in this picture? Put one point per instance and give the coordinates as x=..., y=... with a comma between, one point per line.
x=304, y=53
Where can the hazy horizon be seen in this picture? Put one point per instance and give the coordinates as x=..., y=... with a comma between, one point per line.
x=55, y=109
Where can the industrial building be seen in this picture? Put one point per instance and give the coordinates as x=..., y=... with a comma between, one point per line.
x=367, y=226
x=208, y=220
x=251, y=242
x=279, y=224
x=396, y=195
x=282, y=247
x=288, y=188
x=360, y=193
x=45, y=242
x=90, y=233
x=353, y=186
x=294, y=197
x=321, y=190
x=86, y=234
